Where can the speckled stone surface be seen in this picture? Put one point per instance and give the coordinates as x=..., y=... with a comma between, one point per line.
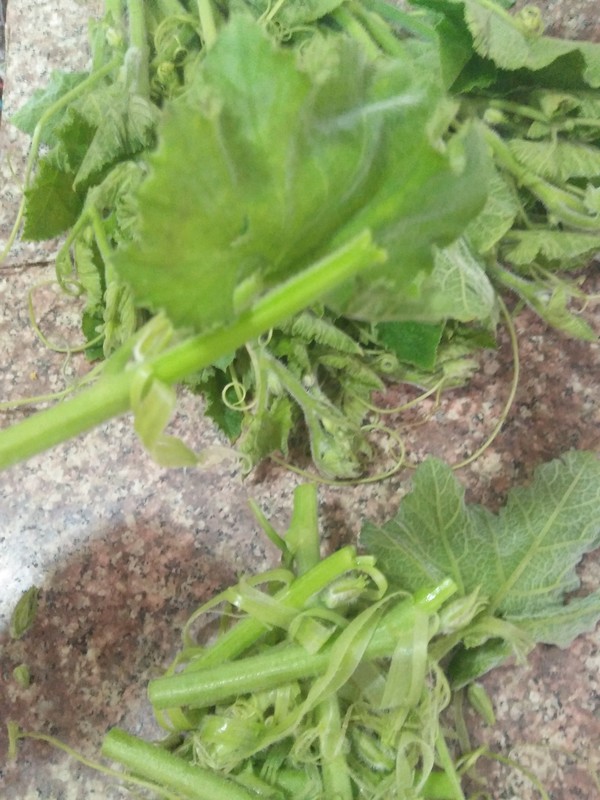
x=123, y=550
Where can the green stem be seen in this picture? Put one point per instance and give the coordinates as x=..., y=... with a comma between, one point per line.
x=138, y=39
x=296, y=782
x=379, y=30
x=169, y=771
x=168, y=8
x=114, y=9
x=355, y=28
x=266, y=671
x=110, y=397
x=295, y=294
x=14, y=734
x=207, y=23
x=334, y=768
x=408, y=21
x=447, y=764
x=302, y=536
x=243, y=635
x=520, y=110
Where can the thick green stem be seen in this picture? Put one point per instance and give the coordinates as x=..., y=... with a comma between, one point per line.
x=111, y=395
x=246, y=633
x=114, y=9
x=207, y=23
x=138, y=39
x=169, y=771
x=334, y=768
x=257, y=673
x=355, y=28
x=380, y=31
x=302, y=537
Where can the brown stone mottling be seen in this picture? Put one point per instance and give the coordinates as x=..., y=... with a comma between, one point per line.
x=123, y=550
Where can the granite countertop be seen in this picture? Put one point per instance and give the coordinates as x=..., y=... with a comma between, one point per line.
x=123, y=550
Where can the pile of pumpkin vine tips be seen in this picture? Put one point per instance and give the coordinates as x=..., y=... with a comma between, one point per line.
x=347, y=676
x=287, y=206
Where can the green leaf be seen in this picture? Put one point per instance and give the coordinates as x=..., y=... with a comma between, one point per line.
x=124, y=123
x=496, y=217
x=274, y=158
x=267, y=433
x=515, y=42
x=524, y=558
x=558, y=160
x=153, y=403
x=411, y=342
x=560, y=624
x=22, y=676
x=52, y=205
x=458, y=288
x=311, y=327
x=91, y=324
x=27, y=117
x=552, y=248
x=211, y=385
x=554, y=309
x=429, y=276
x=468, y=665
x=24, y=613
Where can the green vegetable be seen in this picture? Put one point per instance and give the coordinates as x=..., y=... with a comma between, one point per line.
x=330, y=676
x=206, y=687
x=170, y=772
x=24, y=613
x=22, y=675
x=523, y=560
x=216, y=152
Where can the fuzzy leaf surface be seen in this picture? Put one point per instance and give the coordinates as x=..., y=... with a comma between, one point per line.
x=27, y=117
x=523, y=558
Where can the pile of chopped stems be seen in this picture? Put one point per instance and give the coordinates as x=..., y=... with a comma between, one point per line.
x=327, y=677
x=321, y=685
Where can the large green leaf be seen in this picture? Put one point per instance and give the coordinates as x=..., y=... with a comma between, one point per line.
x=275, y=157
x=523, y=558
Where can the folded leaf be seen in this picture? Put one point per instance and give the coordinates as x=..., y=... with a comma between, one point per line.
x=275, y=157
